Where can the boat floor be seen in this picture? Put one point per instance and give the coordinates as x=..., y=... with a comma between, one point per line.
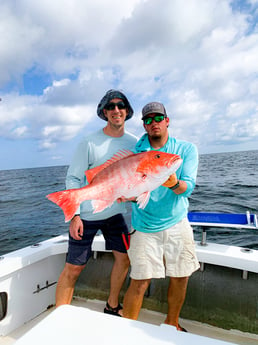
x=148, y=316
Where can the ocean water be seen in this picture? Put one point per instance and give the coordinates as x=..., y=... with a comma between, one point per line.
x=226, y=182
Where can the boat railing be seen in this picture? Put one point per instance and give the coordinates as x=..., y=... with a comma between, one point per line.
x=206, y=220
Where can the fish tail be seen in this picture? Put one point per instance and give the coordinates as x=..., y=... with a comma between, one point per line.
x=67, y=200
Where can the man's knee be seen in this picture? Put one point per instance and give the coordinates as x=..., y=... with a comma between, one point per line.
x=72, y=272
x=139, y=286
x=179, y=281
x=121, y=258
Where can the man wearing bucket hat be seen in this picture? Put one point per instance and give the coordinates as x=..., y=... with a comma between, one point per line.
x=94, y=150
x=162, y=244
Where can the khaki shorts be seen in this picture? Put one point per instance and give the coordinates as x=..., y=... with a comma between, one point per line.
x=165, y=253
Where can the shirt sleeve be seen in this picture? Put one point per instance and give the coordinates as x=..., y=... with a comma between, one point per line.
x=189, y=169
x=75, y=177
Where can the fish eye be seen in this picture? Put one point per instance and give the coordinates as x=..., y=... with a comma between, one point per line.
x=157, y=155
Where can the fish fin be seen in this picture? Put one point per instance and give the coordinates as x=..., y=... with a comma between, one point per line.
x=100, y=205
x=67, y=200
x=119, y=155
x=91, y=173
x=142, y=200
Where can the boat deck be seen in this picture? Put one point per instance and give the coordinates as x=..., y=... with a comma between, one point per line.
x=146, y=316
x=33, y=272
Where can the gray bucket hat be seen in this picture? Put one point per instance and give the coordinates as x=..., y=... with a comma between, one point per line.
x=153, y=108
x=111, y=94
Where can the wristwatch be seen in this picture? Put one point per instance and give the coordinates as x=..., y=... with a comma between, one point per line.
x=175, y=186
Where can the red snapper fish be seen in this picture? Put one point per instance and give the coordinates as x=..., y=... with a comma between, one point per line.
x=126, y=174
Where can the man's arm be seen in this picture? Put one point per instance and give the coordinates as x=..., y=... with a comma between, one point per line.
x=186, y=181
x=75, y=178
x=76, y=227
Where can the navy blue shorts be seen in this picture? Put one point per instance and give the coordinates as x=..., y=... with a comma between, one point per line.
x=79, y=251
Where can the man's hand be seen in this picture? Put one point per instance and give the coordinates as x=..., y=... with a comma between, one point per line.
x=76, y=228
x=171, y=181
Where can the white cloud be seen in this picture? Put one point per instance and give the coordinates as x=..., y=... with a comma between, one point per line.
x=20, y=131
x=56, y=35
x=200, y=59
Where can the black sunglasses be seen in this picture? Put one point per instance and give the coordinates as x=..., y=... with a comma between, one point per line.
x=156, y=118
x=112, y=105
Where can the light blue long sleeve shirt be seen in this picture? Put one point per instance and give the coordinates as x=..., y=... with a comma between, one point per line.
x=165, y=208
x=95, y=150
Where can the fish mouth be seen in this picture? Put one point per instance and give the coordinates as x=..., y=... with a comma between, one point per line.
x=175, y=162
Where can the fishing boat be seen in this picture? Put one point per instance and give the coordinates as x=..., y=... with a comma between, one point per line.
x=221, y=305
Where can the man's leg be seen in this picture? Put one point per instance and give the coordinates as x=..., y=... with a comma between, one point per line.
x=66, y=283
x=133, y=298
x=117, y=278
x=176, y=297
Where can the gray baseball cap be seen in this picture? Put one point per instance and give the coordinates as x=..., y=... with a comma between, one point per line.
x=153, y=108
x=111, y=94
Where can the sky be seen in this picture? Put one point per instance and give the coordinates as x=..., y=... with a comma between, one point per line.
x=58, y=58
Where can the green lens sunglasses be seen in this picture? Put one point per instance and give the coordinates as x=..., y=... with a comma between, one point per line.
x=156, y=118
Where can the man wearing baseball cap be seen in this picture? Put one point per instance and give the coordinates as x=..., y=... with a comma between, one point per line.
x=94, y=150
x=163, y=243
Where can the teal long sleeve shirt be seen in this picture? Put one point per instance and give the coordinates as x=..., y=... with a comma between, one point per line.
x=165, y=208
